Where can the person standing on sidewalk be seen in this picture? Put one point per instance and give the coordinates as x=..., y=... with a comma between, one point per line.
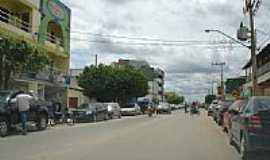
x=23, y=103
x=186, y=106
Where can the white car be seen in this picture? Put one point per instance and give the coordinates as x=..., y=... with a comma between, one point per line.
x=212, y=107
x=131, y=109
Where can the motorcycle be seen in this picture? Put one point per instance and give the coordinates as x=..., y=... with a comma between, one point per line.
x=58, y=116
x=150, y=111
x=194, y=110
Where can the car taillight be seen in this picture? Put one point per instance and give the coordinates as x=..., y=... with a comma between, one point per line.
x=255, y=123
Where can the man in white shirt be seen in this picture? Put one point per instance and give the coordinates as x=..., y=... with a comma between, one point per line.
x=23, y=103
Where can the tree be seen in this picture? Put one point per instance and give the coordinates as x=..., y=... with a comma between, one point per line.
x=155, y=100
x=107, y=83
x=16, y=57
x=174, y=98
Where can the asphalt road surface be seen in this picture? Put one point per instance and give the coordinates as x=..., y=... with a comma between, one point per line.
x=166, y=137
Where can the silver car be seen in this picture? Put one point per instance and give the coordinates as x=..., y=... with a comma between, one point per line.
x=114, y=110
x=131, y=109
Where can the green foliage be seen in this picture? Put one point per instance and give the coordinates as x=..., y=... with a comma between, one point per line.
x=155, y=100
x=36, y=61
x=107, y=83
x=209, y=99
x=16, y=57
x=174, y=98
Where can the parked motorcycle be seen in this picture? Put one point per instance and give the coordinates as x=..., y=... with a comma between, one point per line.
x=150, y=111
x=60, y=116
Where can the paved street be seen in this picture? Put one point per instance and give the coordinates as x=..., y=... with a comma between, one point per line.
x=172, y=137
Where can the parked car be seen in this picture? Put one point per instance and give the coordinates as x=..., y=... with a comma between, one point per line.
x=114, y=110
x=227, y=116
x=219, y=109
x=131, y=109
x=9, y=114
x=164, y=108
x=211, y=107
x=224, y=106
x=91, y=112
x=180, y=106
x=250, y=129
x=173, y=107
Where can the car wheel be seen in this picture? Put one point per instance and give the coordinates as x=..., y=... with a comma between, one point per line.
x=231, y=142
x=3, y=127
x=225, y=129
x=94, y=118
x=42, y=122
x=245, y=155
x=106, y=117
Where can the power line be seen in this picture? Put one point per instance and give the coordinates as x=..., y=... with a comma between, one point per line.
x=155, y=44
x=137, y=38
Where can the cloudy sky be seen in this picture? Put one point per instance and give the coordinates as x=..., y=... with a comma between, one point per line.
x=187, y=65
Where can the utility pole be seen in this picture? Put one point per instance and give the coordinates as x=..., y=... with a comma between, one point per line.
x=250, y=8
x=96, y=60
x=253, y=49
x=222, y=64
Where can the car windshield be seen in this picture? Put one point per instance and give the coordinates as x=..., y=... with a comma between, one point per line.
x=164, y=105
x=84, y=106
x=3, y=96
x=129, y=106
x=237, y=105
x=262, y=104
x=226, y=104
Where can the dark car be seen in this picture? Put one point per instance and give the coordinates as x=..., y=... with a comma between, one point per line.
x=91, y=112
x=219, y=112
x=250, y=129
x=9, y=114
x=114, y=110
x=236, y=105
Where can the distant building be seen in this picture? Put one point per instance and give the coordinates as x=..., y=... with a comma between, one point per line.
x=263, y=73
x=155, y=76
x=75, y=93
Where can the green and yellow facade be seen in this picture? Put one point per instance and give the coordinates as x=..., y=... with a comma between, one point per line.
x=44, y=24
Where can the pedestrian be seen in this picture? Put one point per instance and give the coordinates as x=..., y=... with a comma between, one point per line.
x=23, y=103
x=186, y=111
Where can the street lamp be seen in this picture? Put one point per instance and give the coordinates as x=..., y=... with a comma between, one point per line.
x=226, y=35
x=252, y=49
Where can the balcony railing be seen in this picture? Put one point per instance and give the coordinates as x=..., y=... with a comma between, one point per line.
x=55, y=40
x=47, y=74
x=15, y=21
x=263, y=69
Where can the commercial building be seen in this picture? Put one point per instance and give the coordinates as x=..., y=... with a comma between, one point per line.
x=263, y=73
x=44, y=24
x=155, y=76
